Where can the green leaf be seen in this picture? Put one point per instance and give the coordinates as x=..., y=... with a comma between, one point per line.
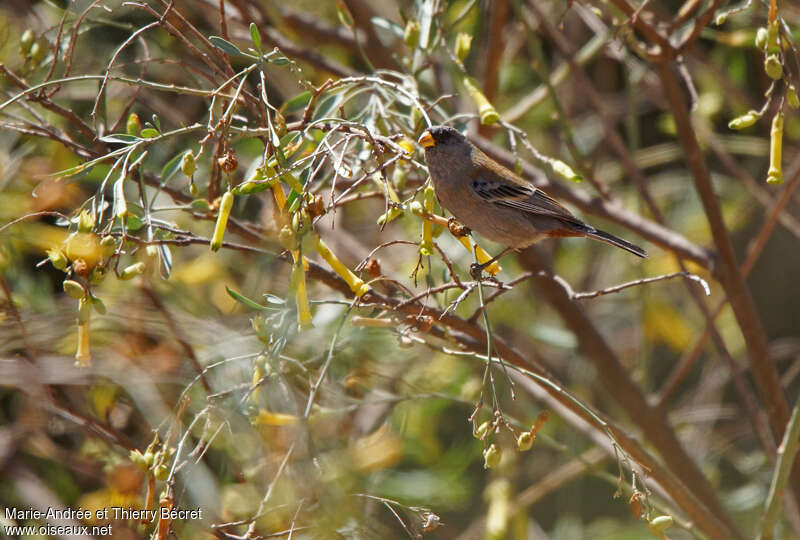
x=133, y=223
x=123, y=138
x=345, y=17
x=297, y=102
x=255, y=36
x=252, y=304
x=170, y=168
x=157, y=122
x=225, y=46
x=279, y=60
x=149, y=133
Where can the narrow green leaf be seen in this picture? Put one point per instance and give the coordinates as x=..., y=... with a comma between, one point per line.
x=255, y=36
x=149, y=133
x=225, y=46
x=170, y=168
x=252, y=304
x=122, y=138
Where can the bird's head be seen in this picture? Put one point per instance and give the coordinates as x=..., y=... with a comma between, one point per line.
x=441, y=136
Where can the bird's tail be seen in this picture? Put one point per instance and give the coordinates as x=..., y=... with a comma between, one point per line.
x=615, y=241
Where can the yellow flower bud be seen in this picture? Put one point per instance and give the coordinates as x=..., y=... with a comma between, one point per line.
x=411, y=34
x=57, y=259
x=463, y=44
x=26, y=41
x=745, y=120
x=773, y=67
x=133, y=126
x=775, y=172
x=85, y=222
x=132, y=271
x=188, y=164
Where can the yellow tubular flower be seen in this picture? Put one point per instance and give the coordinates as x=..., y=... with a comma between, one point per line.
x=355, y=283
x=83, y=358
x=300, y=295
x=225, y=207
x=426, y=246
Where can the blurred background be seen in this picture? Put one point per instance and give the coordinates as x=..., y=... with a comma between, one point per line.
x=321, y=371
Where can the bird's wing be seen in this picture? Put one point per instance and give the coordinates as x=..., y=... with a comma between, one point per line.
x=520, y=196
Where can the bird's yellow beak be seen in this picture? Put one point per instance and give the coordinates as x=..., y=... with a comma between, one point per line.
x=426, y=140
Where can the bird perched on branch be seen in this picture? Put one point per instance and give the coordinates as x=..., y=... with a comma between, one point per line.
x=497, y=203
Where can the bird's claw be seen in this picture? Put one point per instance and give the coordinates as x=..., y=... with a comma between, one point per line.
x=475, y=270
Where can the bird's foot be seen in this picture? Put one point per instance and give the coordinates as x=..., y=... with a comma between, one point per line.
x=475, y=270
x=456, y=228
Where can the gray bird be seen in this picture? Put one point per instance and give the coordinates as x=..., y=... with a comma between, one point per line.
x=495, y=202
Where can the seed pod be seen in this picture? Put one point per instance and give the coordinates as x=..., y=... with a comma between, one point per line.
x=411, y=34
x=133, y=126
x=74, y=289
x=463, y=45
x=225, y=206
x=26, y=42
x=773, y=67
x=482, y=430
x=491, y=456
x=524, y=441
x=188, y=165
x=132, y=271
x=229, y=162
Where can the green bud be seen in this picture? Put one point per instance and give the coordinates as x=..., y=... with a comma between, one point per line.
x=791, y=97
x=132, y=271
x=463, y=45
x=57, y=259
x=187, y=163
x=525, y=441
x=108, y=246
x=193, y=189
x=301, y=221
x=393, y=213
x=745, y=120
x=721, y=18
x=411, y=34
x=565, y=171
x=761, y=39
x=85, y=222
x=491, y=456
x=26, y=41
x=74, y=289
x=773, y=67
x=134, y=125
